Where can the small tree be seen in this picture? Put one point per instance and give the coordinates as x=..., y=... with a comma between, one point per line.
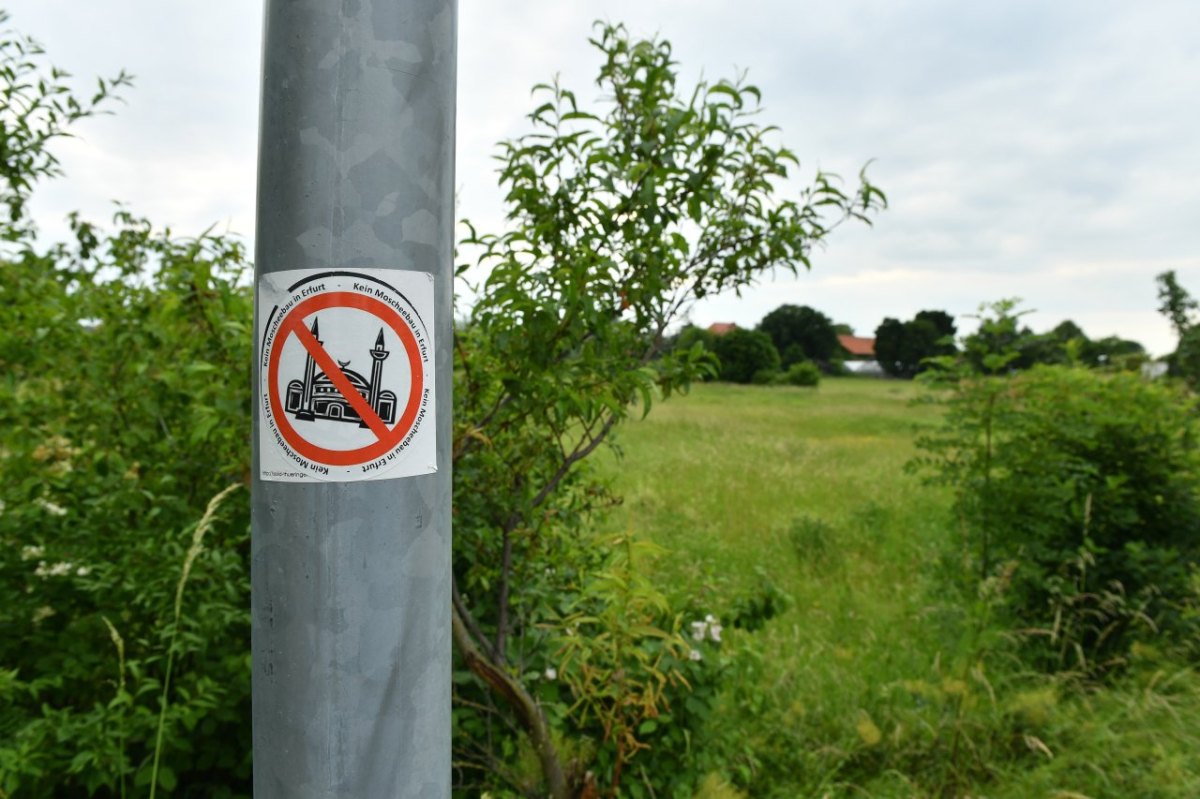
x=621, y=218
x=1001, y=342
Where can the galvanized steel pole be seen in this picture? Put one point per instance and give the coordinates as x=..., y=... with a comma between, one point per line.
x=351, y=579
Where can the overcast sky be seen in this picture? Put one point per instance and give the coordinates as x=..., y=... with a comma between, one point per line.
x=1046, y=150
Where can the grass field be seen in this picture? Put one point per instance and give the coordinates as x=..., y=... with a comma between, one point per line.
x=877, y=678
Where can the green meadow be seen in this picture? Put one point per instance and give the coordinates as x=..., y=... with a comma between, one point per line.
x=865, y=666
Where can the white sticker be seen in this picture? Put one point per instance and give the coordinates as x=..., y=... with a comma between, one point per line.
x=346, y=375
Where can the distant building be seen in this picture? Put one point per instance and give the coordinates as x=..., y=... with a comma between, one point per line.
x=1153, y=370
x=860, y=355
x=721, y=328
x=857, y=347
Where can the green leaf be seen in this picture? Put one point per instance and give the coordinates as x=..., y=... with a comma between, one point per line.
x=166, y=778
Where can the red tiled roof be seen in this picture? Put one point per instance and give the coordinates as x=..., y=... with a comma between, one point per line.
x=857, y=345
x=721, y=328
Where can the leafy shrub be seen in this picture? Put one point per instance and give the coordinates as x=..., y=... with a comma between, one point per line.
x=125, y=409
x=804, y=374
x=767, y=377
x=745, y=353
x=1082, y=487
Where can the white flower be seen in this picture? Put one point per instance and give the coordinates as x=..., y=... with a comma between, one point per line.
x=83, y=571
x=695, y=655
x=31, y=551
x=42, y=613
x=551, y=673
x=50, y=507
x=710, y=627
x=61, y=569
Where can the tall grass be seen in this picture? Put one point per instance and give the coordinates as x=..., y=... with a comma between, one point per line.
x=194, y=550
x=885, y=674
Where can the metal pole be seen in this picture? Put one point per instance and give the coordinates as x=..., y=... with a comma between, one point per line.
x=351, y=573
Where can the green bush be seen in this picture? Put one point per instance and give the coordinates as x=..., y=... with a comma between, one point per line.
x=1079, y=491
x=745, y=353
x=805, y=374
x=124, y=411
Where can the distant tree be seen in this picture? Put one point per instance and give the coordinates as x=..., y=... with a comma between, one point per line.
x=1176, y=304
x=800, y=332
x=1067, y=330
x=1046, y=348
x=793, y=353
x=1111, y=351
x=843, y=329
x=1067, y=344
x=902, y=347
x=744, y=353
x=1179, y=306
x=889, y=344
x=941, y=321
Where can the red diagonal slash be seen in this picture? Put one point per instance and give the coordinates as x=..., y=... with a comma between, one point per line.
x=341, y=382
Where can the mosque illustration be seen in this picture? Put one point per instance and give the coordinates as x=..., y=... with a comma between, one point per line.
x=316, y=397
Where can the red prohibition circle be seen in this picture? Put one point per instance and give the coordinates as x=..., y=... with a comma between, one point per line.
x=288, y=326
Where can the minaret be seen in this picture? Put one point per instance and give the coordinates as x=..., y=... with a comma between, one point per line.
x=378, y=356
x=310, y=367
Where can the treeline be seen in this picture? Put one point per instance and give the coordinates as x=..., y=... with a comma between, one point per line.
x=793, y=345
x=797, y=344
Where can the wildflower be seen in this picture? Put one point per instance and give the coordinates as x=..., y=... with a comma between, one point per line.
x=83, y=571
x=50, y=507
x=61, y=569
x=42, y=613
x=695, y=655
x=551, y=673
x=31, y=551
x=710, y=628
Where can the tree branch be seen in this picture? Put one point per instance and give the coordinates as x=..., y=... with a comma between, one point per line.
x=528, y=711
